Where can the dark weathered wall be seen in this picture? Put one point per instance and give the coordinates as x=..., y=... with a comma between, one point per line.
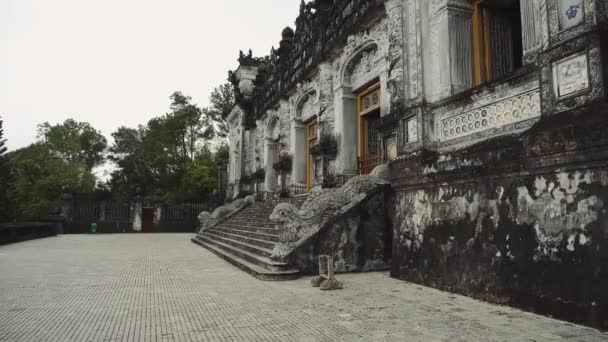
x=17, y=232
x=520, y=220
x=360, y=240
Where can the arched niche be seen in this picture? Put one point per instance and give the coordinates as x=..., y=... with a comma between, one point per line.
x=272, y=135
x=306, y=110
x=235, y=140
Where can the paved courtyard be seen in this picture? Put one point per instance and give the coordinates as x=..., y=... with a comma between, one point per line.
x=165, y=288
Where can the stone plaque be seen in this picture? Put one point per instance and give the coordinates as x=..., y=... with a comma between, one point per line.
x=571, y=13
x=570, y=75
x=412, y=130
x=391, y=147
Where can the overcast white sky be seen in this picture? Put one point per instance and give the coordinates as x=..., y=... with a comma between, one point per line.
x=115, y=62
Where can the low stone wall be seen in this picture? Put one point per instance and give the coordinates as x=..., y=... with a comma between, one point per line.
x=359, y=240
x=16, y=232
x=520, y=220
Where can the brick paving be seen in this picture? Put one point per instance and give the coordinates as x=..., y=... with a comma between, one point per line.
x=165, y=288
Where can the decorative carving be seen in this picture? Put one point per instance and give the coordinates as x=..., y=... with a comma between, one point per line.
x=521, y=107
x=320, y=208
x=364, y=68
x=207, y=220
x=321, y=27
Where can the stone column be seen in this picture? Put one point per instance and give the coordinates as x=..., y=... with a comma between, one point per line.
x=297, y=148
x=385, y=96
x=102, y=210
x=158, y=211
x=240, y=155
x=345, y=106
x=137, y=214
x=66, y=212
x=452, y=47
x=270, y=150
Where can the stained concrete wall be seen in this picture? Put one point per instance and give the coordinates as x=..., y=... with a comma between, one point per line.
x=525, y=224
x=359, y=241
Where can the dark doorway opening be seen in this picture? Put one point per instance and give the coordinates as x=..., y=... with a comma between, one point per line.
x=147, y=220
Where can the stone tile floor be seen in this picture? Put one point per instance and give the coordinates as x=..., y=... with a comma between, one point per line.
x=165, y=288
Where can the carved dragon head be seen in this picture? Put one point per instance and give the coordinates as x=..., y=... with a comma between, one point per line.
x=381, y=172
x=204, y=216
x=285, y=213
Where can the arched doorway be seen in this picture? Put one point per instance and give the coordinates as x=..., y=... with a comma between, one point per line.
x=358, y=109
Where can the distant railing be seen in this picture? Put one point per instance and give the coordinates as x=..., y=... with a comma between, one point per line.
x=182, y=212
x=297, y=189
x=368, y=163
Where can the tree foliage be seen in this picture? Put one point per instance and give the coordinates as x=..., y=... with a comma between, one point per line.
x=222, y=102
x=40, y=177
x=171, y=155
x=75, y=142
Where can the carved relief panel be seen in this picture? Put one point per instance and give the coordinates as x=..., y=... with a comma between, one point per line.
x=490, y=114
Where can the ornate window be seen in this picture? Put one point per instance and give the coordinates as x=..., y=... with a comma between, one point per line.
x=369, y=101
x=497, y=42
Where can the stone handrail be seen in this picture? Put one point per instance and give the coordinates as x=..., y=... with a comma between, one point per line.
x=208, y=220
x=321, y=209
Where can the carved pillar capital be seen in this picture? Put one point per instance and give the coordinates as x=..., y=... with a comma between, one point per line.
x=439, y=6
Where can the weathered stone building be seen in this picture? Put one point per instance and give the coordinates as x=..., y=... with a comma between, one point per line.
x=491, y=117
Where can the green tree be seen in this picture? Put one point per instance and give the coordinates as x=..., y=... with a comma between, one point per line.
x=75, y=142
x=164, y=154
x=5, y=204
x=199, y=179
x=222, y=102
x=40, y=177
x=134, y=173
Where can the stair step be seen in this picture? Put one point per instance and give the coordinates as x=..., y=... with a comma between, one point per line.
x=261, y=236
x=251, y=268
x=245, y=239
x=265, y=252
x=259, y=260
x=265, y=230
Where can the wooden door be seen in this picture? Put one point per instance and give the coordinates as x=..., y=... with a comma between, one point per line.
x=311, y=140
x=368, y=116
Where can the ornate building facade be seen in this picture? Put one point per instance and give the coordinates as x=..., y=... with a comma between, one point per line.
x=491, y=116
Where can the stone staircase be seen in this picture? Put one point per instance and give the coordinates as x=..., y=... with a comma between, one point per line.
x=247, y=239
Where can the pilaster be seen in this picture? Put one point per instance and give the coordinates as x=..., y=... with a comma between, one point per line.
x=297, y=148
x=451, y=22
x=535, y=34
